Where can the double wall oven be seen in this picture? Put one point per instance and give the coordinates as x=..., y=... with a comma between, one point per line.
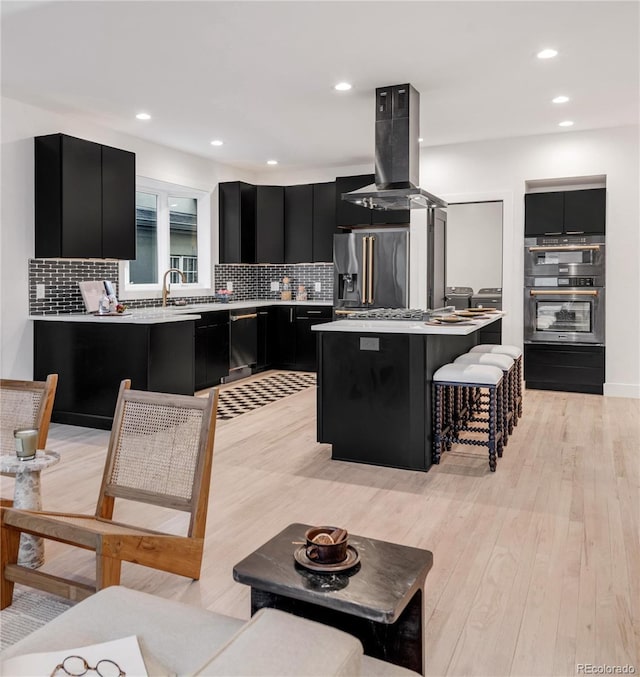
x=565, y=290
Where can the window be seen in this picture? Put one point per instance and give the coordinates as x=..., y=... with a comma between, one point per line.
x=172, y=231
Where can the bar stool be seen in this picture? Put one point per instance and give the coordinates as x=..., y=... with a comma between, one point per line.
x=446, y=430
x=507, y=365
x=515, y=354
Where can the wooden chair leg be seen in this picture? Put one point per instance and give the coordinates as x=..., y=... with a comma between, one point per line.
x=107, y=571
x=9, y=545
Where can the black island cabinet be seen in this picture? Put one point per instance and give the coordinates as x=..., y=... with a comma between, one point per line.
x=374, y=394
x=92, y=358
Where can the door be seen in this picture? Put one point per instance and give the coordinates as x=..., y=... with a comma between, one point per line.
x=324, y=220
x=387, y=269
x=269, y=224
x=564, y=316
x=437, y=290
x=118, y=204
x=348, y=271
x=543, y=214
x=81, y=198
x=584, y=211
x=298, y=224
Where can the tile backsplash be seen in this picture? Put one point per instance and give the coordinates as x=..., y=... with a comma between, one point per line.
x=60, y=278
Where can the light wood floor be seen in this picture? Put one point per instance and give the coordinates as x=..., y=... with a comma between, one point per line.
x=537, y=566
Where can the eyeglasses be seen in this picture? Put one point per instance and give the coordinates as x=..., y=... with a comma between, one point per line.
x=76, y=666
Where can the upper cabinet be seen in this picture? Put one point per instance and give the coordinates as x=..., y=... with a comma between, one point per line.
x=84, y=199
x=277, y=224
x=572, y=212
x=349, y=214
x=237, y=212
x=269, y=224
x=298, y=224
x=324, y=221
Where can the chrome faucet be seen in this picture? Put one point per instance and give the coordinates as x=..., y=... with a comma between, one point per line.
x=165, y=284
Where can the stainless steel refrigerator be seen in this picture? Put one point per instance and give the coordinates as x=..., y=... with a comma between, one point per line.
x=371, y=269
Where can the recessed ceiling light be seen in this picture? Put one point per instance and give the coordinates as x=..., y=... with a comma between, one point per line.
x=566, y=123
x=547, y=54
x=420, y=140
x=272, y=162
x=217, y=142
x=560, y=99
x=343, y=87
x=143, y=116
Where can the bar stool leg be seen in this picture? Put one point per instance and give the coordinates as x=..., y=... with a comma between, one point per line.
x=501, y=438
x=437, y=423
x=492, y=427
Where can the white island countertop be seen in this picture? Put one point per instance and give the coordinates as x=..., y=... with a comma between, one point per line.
x=407, y=326
x=174, y=313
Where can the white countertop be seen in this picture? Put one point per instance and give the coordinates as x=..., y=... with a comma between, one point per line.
x=171, y=313
x=406, y=326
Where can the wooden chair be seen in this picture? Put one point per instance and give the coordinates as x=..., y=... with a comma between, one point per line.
x=25, y=404
x=160, y=452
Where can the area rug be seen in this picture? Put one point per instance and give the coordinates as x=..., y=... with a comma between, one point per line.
x=246, y=397
x=29, y=611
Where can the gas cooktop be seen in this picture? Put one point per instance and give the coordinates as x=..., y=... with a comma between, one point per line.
x=411, y=314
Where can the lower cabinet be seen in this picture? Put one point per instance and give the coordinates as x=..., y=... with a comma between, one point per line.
x=211, y=349
x=578, y=369
x=306, y=338
x=492, y=333
x=91, y=359
x=265, y=329
x=293, y=342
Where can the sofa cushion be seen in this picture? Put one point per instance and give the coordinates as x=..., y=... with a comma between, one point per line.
x=174, y=638
x=280, y=644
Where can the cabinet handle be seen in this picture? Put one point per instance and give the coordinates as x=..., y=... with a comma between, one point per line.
x=364, y=269
x=574, y=232
x=313, y=312
x=564, y=292
x=567, y=248
x=264, y=312
x=371, y=241
x=558, y=233
x=290, y=314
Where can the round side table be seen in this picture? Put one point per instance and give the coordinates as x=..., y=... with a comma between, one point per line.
x=28, y=496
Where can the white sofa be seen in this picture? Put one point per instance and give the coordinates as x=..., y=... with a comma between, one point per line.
x=178, y=639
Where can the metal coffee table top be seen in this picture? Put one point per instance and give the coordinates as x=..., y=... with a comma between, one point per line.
x=378, y=587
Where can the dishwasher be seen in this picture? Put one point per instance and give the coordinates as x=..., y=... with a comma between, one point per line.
x=243, y=340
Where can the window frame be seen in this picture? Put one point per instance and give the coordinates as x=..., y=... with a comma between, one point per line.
x=165, y=190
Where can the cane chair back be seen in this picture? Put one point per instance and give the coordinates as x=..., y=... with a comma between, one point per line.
x=160, y=452
x=25, y=404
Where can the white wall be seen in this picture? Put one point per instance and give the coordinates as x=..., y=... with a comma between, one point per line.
x=499, y=169
x=20, y=123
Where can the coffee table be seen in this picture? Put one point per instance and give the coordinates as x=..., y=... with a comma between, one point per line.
x=380, y=600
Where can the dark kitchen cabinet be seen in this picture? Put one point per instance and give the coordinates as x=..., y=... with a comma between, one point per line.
x=265, y=341
x=569, y=368
x=237, y=222
x=92, y=359
x=269, y=224
x=349, y=214
x=283, y=337
x=573, y=212
x=298, y=223
x=211, y=349
x=324, y=221
x=306, y=338
x=84, y=199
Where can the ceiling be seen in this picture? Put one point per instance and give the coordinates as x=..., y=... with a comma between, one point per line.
x=260, y=75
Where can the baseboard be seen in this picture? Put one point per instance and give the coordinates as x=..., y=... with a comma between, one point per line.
x=629, y=390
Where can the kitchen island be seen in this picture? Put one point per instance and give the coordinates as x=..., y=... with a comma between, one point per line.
x=375, y=386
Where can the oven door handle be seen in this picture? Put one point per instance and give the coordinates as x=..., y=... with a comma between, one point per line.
x=564, y=292
x=567, y=248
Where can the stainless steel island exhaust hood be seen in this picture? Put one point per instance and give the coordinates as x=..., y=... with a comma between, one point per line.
x=397, y=159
